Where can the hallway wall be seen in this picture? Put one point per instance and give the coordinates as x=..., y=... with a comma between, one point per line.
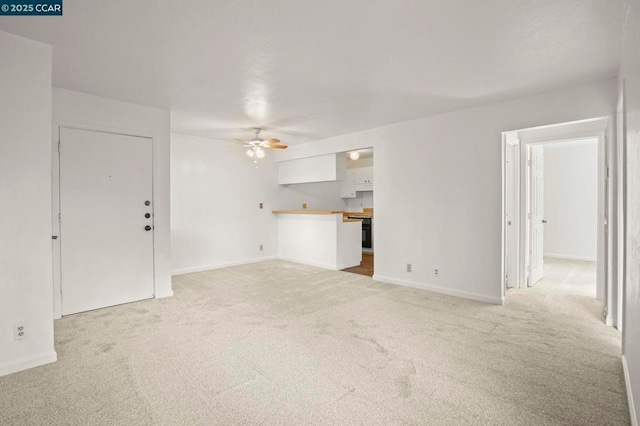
x=630, y=75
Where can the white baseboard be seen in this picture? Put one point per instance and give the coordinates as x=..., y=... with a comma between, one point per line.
x=345, y=266
x=627, y=381
x=568, y=257
x=304, y=262
x=222, y=265
x=442, y=290
x=26, y=363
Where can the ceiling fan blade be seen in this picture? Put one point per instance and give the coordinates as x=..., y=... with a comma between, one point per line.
x=270, y=142
x=278, y=146
x=240, y=141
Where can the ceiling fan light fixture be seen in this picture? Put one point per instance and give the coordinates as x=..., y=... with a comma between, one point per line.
x=250, y=153
x=354, y=155
x=260, y=153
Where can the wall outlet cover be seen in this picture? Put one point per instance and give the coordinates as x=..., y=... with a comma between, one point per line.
x=20, y=331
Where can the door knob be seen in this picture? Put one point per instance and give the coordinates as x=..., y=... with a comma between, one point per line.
x=147, y=203
x=147, y=228
x=147, y=215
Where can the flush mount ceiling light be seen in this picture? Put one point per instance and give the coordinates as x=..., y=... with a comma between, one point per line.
x=354, y=155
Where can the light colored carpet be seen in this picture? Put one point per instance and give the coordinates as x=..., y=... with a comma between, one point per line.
x=277, y=343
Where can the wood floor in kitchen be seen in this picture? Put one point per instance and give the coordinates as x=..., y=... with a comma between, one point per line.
x=366, y=266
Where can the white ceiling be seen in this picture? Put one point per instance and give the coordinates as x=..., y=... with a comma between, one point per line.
x=308, y=69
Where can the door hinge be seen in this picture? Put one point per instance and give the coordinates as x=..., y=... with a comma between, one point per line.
x=59, y=147
x=59, y=217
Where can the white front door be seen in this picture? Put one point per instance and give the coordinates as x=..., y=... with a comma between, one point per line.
x=106, y=219
x=536, y=214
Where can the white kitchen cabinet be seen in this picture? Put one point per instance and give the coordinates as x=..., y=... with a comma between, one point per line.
x=348, y=186
x=321, y=168
x=360, y=179
x=363, y=178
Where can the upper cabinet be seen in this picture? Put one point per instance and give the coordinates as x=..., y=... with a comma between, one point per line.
x=360, y=179
x=322, y=168
x=363, y=178
x=348, y=186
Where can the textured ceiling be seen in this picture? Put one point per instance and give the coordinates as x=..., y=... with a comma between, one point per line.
x=313, y=69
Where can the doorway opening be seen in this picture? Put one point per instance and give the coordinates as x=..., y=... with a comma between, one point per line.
x=555, y=210
x=357, y=193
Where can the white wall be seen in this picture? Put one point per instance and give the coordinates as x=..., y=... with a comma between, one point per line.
x=438, y=197
x=26, y=293
x=571, y=199
x=216, y=192
x=360, y=162
x=630, y=74
x=363, y=200
x=87, y=111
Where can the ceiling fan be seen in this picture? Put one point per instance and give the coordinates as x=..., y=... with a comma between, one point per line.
x=257, y=144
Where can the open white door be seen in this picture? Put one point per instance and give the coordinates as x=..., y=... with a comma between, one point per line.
x=536, y=214
x=106, y=225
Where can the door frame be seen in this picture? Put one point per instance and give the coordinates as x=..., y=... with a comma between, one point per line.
x=55, y=199
x=511, y=208
x=597, y=128
x=621, y=175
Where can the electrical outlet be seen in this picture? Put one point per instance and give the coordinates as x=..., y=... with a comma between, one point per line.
x=19, y=331
x=261, y=247
x=408, y=267
x=304, y=205
x=436, y=272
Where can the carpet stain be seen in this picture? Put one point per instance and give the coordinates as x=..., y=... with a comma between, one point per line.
x=403, y=384
x=107, y=347
x=381, y=349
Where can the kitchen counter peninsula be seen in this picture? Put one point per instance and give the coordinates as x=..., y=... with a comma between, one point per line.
x=323, y=238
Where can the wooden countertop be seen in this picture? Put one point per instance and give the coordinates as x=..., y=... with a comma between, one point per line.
x=365, y=213
x=304, y=211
